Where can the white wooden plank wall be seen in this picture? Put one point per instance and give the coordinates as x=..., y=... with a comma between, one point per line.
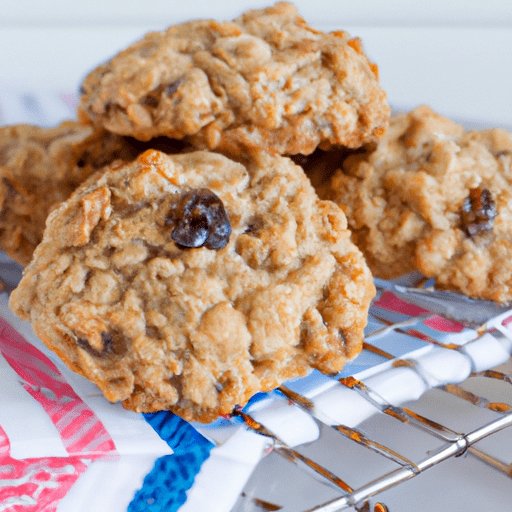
x=323, y=12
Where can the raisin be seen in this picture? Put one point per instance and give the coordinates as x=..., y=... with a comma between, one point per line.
x=149, y=101
x=201, y=220
x=478, y=212
x=255, y=225
x=114, y=345
x=172, y=88
x=9, y=189
x=152, y=99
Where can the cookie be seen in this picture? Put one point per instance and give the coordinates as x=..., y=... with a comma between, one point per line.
x=436, y=198
x=265, y=80
x=189, y=282
x=40, y=167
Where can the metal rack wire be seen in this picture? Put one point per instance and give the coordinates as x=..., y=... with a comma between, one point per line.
x=450, y=442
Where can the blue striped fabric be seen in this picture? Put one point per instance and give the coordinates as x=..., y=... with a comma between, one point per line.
x=165, y=487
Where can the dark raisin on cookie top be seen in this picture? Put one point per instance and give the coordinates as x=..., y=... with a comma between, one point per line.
x=114, y=345
x=201, y=219
x=478, y=212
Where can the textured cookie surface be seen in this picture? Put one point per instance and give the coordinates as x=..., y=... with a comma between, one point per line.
x=190, y=282
x=435, y=198
x=265, y=80
x=39, y=168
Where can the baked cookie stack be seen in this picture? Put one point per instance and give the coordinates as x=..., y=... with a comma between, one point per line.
x=187, y=262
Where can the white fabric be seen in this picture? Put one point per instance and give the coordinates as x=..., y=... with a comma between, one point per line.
x=130, y=432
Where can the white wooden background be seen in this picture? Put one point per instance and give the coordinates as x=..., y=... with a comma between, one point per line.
x=453, y=55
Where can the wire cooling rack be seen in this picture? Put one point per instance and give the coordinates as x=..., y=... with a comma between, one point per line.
x=374, y=467
x=359, y=469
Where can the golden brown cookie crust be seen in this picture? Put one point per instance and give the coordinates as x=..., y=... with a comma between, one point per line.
x=196, y=330
x=265, y=80
x=405, y=202
x=39, y=168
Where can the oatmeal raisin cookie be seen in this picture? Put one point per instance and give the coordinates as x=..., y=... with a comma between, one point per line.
x=190, y=282
x=436, y=198
x=265, y=80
